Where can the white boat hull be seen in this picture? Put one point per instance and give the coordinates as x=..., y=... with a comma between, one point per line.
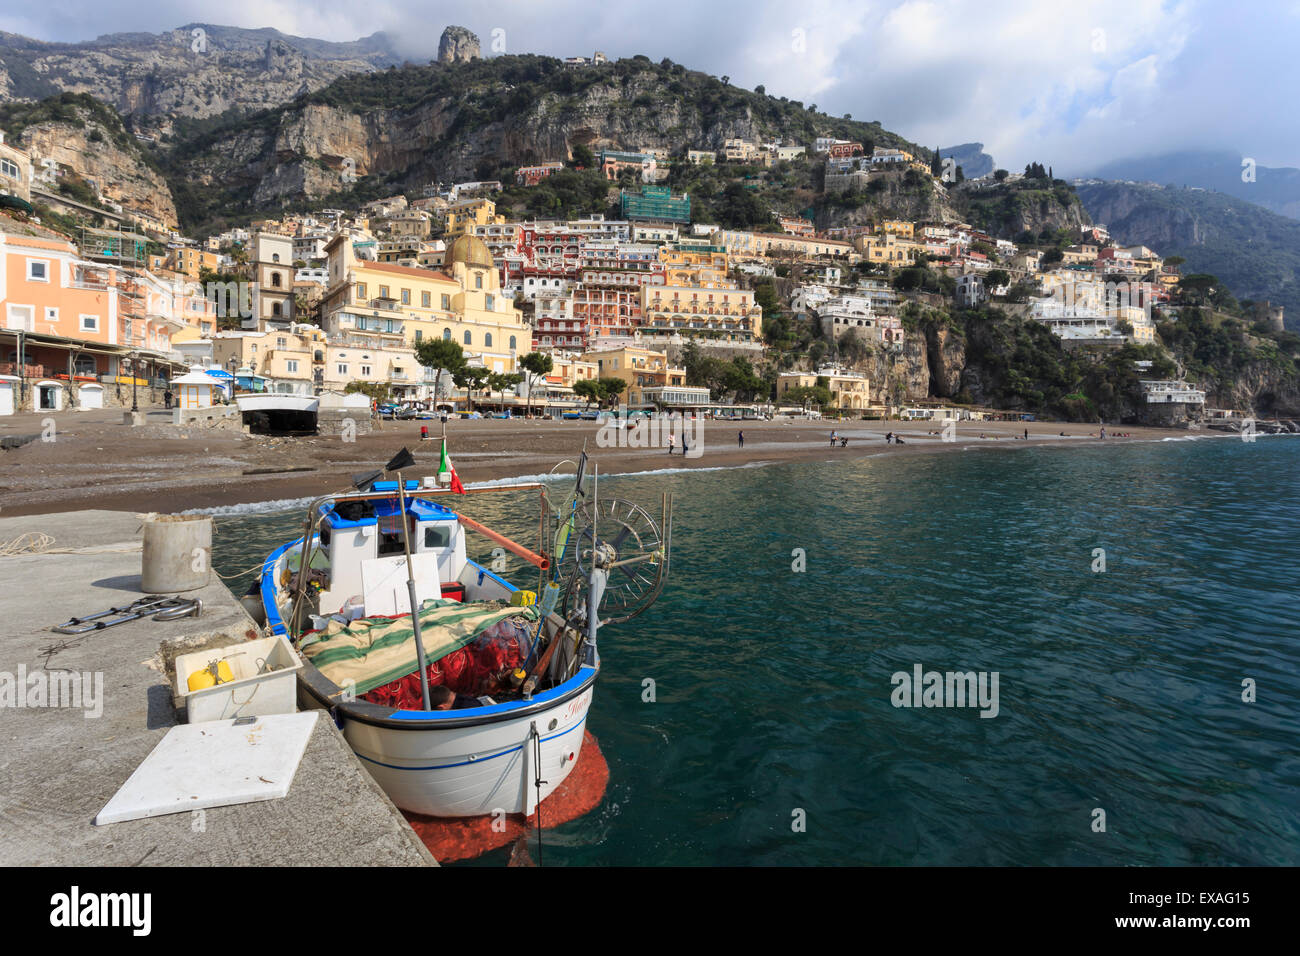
x=488, y=769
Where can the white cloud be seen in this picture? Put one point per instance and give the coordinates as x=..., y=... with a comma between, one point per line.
x=1070, y=85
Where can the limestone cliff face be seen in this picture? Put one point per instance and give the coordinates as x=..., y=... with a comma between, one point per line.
x=92, y=152
x=435, y=140
x=200, y=70
x=1146, y=213
x=1007, y=210
x=945, y=354
x=894, y=196
x=457, y=45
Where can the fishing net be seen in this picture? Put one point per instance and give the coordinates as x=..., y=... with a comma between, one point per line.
x=477, y=669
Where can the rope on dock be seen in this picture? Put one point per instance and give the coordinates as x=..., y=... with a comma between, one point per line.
x=38, y=542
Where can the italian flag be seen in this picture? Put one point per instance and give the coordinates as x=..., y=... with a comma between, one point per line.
x=446, y=468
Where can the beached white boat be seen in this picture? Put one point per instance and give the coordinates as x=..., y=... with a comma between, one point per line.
x=277, y=402
x=524, y=672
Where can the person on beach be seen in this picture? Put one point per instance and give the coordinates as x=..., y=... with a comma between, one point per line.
x=832, y=438
x=672, y=440
x=889, y=437
x=1026, y=434
x=686, y=449
x=1103, y=431
x=167, y=398
x=740, y=439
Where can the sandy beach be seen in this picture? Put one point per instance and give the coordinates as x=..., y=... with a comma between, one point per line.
x=94, y=461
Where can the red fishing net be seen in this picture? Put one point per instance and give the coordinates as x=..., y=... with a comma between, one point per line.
x=475, y=670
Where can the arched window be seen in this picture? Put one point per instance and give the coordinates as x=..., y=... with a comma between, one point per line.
x=469, y=339
x=275, y=257
x=487, y=340
x=478, y=280
x=275, y=308
x=446, y=334
x=512, y=343
x=275, y=279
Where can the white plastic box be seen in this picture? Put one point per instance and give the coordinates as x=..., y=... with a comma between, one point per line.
x=266, y=681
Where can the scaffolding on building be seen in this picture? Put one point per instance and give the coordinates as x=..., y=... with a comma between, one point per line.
x=123, y=247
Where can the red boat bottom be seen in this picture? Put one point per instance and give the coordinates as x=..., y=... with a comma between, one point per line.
x=462, y=838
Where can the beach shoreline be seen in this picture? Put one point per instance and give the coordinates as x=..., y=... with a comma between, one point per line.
x=96, y=462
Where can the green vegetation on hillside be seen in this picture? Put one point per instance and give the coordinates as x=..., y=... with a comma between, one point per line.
x=1002, y=208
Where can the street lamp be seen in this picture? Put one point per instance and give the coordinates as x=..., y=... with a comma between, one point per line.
x=135, y=360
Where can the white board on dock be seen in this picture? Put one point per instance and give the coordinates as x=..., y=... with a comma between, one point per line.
x=214, y=764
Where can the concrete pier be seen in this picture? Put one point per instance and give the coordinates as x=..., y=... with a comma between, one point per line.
x=59, y=766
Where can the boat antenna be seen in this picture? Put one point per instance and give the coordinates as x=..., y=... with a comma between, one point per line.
x=404, y=459
x=598, y=575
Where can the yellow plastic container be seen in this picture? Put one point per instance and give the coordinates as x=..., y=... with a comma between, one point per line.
x=523, y=598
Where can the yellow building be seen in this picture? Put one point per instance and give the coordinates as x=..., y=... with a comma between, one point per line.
x=463, y=216
x=889, y=249
x=391, y=304
x=698, y=264
x=701, y=311
x=897, y=227
x=640, y=368
x=190, y=261
x=849, y=390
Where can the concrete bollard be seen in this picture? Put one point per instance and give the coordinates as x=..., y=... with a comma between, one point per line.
x=177, y=553
x=134, y=419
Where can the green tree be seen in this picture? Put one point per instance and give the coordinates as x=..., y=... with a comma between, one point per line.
x=582, y=156
x=441, y=355
x=535, y=365
x=589, y=390
x=472, y=378
x=500, y=381
x=610, y=389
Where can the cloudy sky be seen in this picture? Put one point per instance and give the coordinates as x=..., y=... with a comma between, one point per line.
x=1071, y=85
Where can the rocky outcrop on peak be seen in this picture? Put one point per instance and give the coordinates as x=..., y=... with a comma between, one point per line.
x=457, y=45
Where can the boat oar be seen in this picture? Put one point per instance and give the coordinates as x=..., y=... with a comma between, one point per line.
x=404, y=459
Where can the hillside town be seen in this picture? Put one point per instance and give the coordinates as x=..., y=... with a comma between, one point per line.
x=334, y=301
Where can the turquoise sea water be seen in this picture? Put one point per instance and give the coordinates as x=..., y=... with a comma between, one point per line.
x=1119, y=691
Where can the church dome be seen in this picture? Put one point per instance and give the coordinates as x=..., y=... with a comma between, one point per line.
x=471, y=251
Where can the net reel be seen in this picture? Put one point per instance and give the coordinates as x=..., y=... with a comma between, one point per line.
x=625, y=541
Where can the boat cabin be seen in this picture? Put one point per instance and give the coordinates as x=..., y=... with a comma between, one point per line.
x=367, y=560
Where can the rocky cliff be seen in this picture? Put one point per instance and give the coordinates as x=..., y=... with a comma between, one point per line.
x=87, y=143
x=457, y=45
x=405, y=128
x=197, y=71
x=1006, y=210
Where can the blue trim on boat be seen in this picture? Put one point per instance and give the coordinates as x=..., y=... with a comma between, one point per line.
x=584, y=674
x=484, y=572
x=269, y=589
x=466, y=763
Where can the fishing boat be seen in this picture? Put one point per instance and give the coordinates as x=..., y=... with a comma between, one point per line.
x=462, y=692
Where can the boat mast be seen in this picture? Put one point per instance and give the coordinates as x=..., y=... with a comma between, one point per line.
x=598, y=575
x=400, y=461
